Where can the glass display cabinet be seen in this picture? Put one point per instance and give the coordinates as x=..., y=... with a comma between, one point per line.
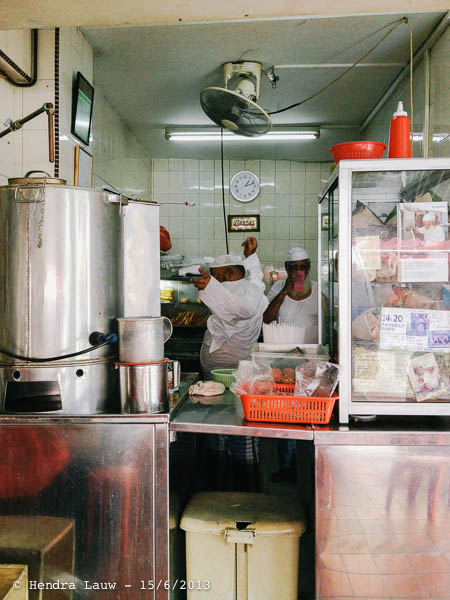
x=390, y=234
x=328, y=233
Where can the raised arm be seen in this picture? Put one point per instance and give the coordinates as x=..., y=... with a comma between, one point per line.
x=252, y=264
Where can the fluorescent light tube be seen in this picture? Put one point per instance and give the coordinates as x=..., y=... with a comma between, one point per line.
x=208, y=135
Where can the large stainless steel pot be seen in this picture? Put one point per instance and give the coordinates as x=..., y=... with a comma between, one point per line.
x=60, y=276
x=60, y=250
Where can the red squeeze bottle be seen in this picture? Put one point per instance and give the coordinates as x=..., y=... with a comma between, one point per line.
x=399, y=140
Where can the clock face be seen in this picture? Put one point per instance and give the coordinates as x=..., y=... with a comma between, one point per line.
x=244, y=186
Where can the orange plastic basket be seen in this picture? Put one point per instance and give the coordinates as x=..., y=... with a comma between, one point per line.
x=352, y=150
x=288, y=409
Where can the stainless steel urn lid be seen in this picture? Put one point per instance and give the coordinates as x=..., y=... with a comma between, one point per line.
x=44, y=179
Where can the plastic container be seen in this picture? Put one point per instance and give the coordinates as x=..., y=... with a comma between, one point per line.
x=308, y=349
x=399, y=134
x=246, y=545
x=352, y=150
x=225, y=376
x=288, y=409
x=277, y=360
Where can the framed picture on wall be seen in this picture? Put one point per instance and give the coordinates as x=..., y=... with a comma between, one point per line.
x=83, y=168
x=82, y=105
x=243, y=223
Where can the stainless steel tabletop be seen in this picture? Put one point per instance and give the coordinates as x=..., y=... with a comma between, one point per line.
x=224, y=415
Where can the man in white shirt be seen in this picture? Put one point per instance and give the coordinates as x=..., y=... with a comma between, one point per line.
x=234, y=293
x=432, y=233
x=237, y=304
x=295, y=299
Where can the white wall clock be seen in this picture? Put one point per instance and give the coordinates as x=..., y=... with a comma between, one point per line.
x=244, y=186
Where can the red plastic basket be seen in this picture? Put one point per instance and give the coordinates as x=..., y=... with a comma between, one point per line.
x=351, y=150
x=288, y=409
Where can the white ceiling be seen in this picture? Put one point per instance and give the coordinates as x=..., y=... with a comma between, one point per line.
x=23, y=14
x=153, y=75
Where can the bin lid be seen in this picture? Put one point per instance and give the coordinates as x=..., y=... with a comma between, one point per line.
x=266, y=514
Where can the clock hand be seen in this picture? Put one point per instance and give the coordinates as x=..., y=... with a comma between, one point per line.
x=249, y=183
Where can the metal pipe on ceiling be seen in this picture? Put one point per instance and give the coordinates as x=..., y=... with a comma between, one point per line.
x=428, y=43
x=340, y=65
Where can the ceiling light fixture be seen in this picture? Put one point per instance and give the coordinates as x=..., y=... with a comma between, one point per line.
x=212, y=134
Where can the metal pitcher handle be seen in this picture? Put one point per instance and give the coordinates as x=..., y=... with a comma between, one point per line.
x=167, y=328
x=174, y=375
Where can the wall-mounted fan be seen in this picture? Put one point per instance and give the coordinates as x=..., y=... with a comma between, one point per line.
x=234, y=106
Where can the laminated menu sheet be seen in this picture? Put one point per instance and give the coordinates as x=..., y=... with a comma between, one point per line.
x=380, y=372
x=414, y=329
x=419, y=269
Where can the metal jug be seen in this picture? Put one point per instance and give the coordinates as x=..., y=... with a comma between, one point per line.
x=142, y=339
x=144, y=388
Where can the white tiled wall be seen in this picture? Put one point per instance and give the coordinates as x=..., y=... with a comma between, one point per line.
x=378, y=129
x=119, y=161
x=75, y=55
x=287, y=204
x=27, y=148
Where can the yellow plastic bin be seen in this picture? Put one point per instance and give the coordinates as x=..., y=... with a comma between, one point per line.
x=242, y=546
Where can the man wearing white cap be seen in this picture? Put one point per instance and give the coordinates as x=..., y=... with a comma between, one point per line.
x=432, y=233
x=294, y=300
x=237, y=305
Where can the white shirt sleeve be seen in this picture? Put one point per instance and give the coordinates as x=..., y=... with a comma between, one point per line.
x=228, y=307
x=254, y=271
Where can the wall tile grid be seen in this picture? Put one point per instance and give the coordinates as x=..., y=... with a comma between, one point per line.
x=119, y=160
x=439, y=143
x=27, y=148
x=287, y=204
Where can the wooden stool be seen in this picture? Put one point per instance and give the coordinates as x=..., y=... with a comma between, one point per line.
x=45, y=544
x=117, y=481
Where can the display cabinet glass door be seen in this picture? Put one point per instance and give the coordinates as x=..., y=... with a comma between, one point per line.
x=328, y=268
x=400, y=289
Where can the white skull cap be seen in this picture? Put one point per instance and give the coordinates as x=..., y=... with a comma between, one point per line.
x=429, y=218
x=227, y=260
x=297, y=254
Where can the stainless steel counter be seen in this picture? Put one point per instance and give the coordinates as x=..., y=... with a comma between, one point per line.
x=224, y=415
x=93, y=489
x=387, y=431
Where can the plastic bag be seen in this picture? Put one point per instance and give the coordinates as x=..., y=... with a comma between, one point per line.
x=316, y=378
x=252, y=378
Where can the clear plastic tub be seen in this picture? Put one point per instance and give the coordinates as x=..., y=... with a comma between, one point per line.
x=286, y=360
x=308, y=349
